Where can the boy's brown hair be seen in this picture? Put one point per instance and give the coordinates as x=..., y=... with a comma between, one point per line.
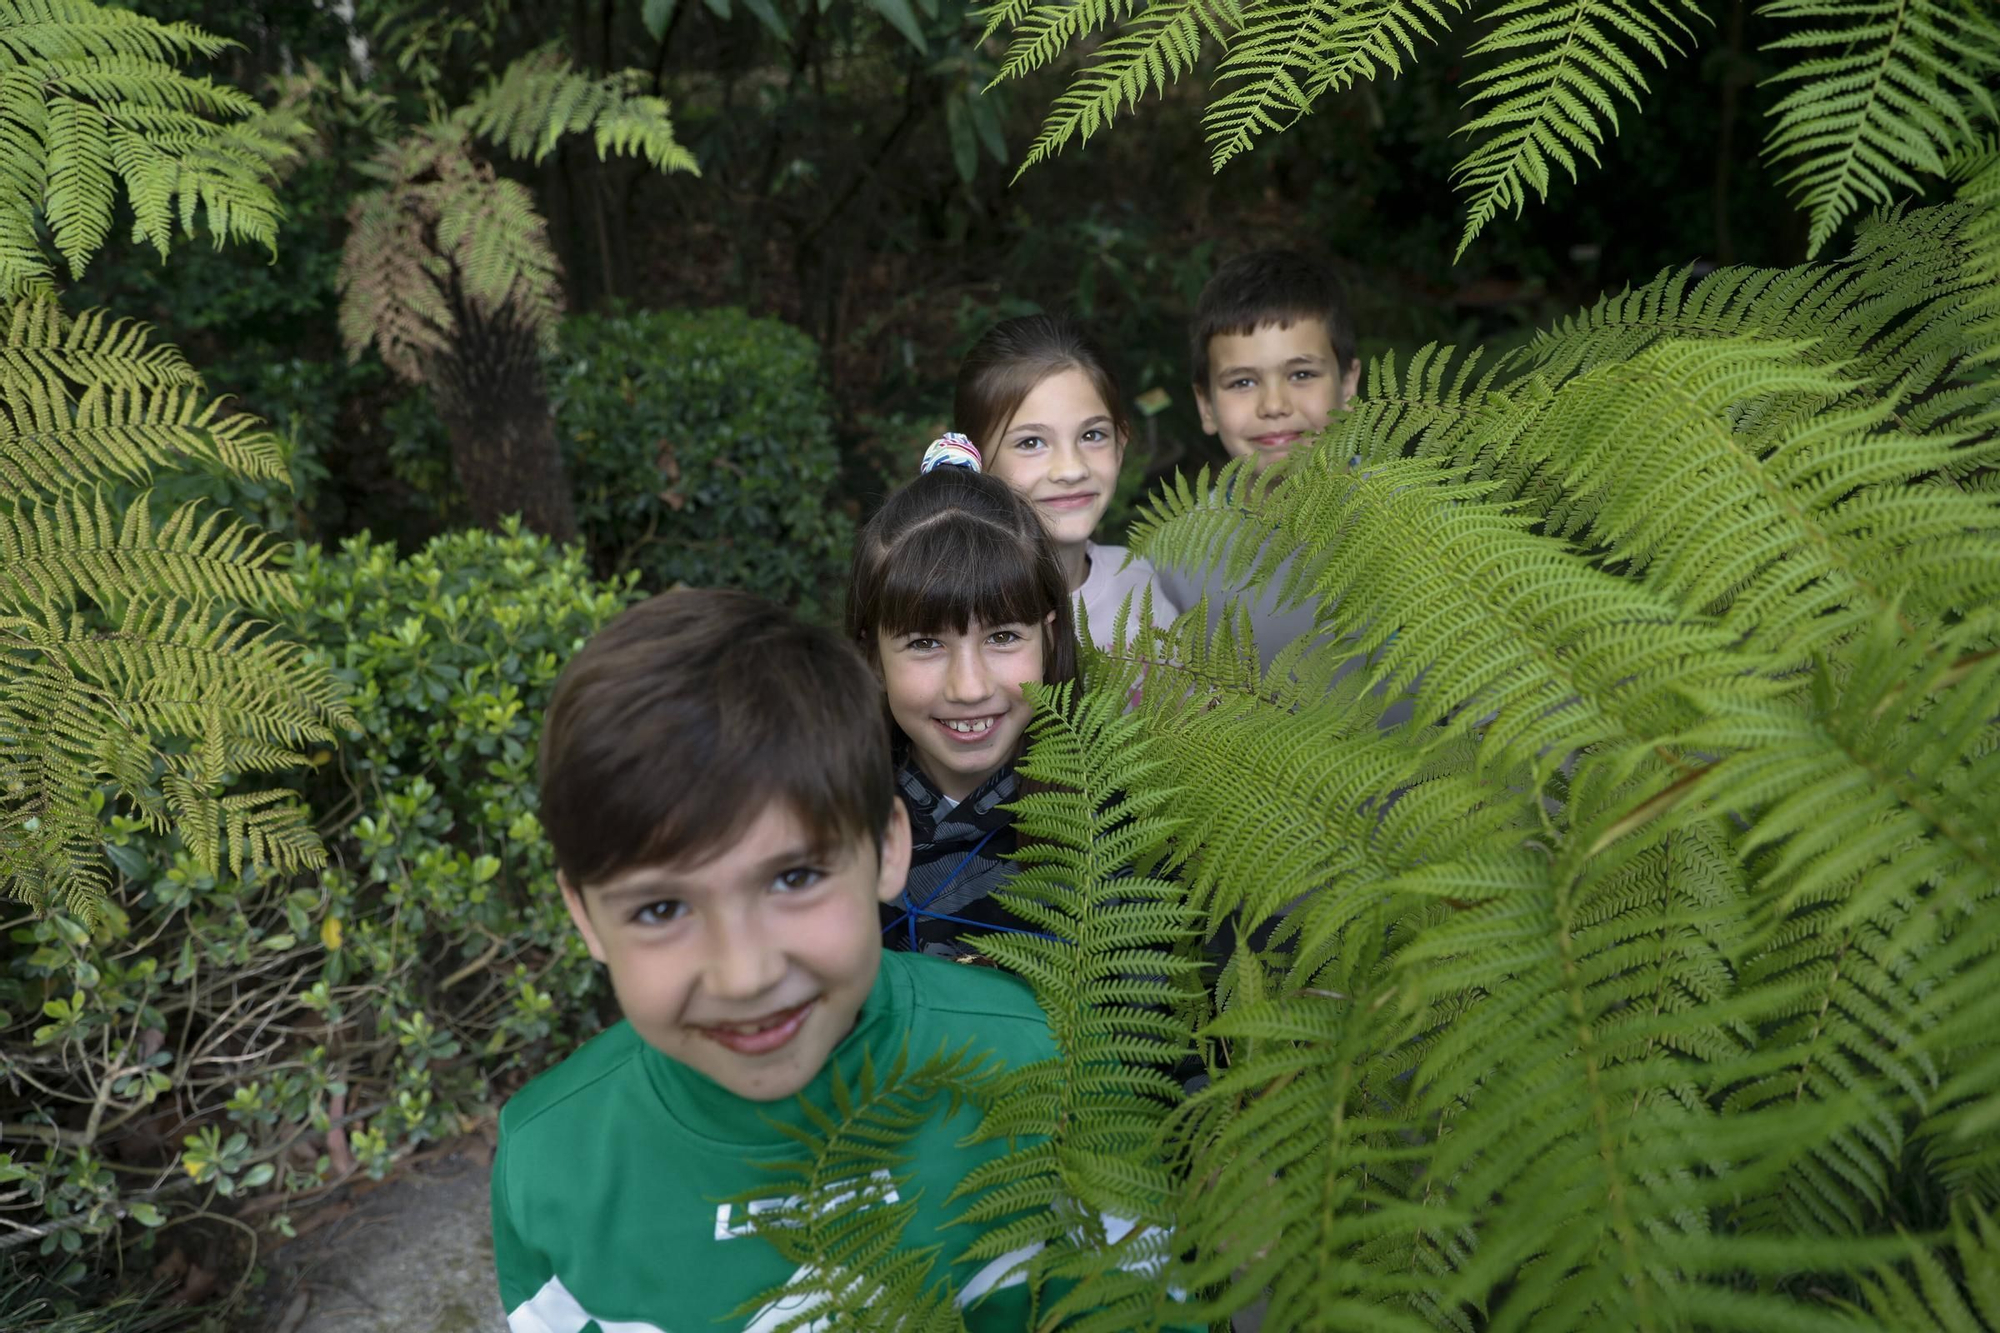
x=681, y=720
x=1268, y=287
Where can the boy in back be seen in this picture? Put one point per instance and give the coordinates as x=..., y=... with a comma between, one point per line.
x=716, y=783
x=1272, y=356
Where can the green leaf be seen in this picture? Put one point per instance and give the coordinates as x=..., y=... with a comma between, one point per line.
x=657, y=15
x=986, y=119
x=904, y=20
x=964, y=147
x=767, y=14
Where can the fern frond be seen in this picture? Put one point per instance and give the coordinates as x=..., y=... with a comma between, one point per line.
x=843, y=1224
x=125, y=662
x=1158, y=47
x=540, y=98
x=86, y=702
x=1564, y=69
x=392, y=283
x=1300, y=741
x=103, y=705
x=1977, y=171
x=73, y=547
x=1889, y=89
x=1567, y=1088
x=640, y=127
x=1557, y=654
x=94, y=399
x=1794, y=538
x=1043, y=30
x=1873, y=837
x=1108, y=977
x=176, y=667
x=1891, y=316
x=93, y=98
x=1956, y=1288
x=500, y=254
x=1289, y=55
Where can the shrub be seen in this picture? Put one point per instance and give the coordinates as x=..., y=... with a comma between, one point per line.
x=271, y=1034
x=701, y=448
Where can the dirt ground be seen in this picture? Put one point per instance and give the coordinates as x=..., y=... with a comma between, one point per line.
x=412, y=1255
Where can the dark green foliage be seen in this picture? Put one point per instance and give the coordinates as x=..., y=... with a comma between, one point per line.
x=1880, y=92
x=1643, y=978
x=701, y=444
x=129, y=670
x=835, y=1226
x=74, y=1304
x=405, y=985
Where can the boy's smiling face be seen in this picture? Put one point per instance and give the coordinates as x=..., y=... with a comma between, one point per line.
x=1272, y=388
x=750, y=966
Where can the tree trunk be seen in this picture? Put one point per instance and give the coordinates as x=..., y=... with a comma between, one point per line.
x=494, y=400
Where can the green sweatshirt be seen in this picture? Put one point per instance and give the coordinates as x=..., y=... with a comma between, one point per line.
x=608, y=1186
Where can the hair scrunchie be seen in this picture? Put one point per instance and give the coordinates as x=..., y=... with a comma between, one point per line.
x=951, y=450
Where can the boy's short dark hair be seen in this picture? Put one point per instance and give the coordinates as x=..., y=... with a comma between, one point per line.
x=681, y=720
x=1268, y=287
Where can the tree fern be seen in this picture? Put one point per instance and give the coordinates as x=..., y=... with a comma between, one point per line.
x=1162, y=44
x=91, y=99
x=1886, y=91
x=1564, y=67
x=449, y=274
x=539, y=99
x=1289, y=55
x=1891, y=87
x=127, y=662
x=1648, y=976
x=447, y=238
x=446, y=241
x=842, y=1224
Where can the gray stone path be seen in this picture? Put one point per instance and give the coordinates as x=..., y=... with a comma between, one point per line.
x=413, y=1255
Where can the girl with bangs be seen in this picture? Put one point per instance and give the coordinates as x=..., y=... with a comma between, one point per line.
x=958, y=600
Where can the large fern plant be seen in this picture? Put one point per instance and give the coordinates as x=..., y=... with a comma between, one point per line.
x=129, y=667
x=448, y=272
x=1646, y=977
x=1877, y=93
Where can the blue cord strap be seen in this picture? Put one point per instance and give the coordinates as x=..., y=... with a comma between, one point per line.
x=916, y=908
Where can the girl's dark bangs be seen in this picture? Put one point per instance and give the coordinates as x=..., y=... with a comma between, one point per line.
x=946, y=575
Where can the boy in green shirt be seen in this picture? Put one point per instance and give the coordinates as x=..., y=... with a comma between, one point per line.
x=716, y=783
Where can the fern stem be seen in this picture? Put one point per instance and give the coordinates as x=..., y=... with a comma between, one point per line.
x=1639, y=1283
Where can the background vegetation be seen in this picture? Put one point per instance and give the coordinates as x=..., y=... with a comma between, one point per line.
x=736, y=250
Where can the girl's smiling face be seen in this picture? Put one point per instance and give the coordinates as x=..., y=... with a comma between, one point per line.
x=957, y=696
x=1061, y=450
